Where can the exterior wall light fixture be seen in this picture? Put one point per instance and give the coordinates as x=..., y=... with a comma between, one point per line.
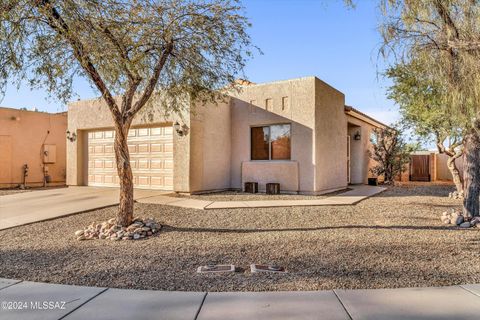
x=357, y=136
x=181, y=130
x=71, y=136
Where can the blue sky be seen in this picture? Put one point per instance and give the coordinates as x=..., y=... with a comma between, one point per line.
x=299, y=38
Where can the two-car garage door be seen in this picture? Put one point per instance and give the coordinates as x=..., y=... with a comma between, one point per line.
x=151, y=156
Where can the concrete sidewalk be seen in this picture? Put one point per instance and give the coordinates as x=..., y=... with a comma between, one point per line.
x=27, y=207
x=357, y=194
x=30, y=300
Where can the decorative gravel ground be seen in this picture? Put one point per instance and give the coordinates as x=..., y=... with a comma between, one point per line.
x=242, y=196
x=394, y=239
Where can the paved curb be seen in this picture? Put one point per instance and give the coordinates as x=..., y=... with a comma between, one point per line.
x=108, y=303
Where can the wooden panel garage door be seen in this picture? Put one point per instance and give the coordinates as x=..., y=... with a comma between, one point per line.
x=151, y=156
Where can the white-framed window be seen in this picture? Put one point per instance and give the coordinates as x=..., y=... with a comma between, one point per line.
x=373, y=137
x=272, y=142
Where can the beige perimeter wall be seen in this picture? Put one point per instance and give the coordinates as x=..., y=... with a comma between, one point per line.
x=22, y=136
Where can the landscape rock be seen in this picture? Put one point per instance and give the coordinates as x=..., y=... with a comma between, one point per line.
x=109, y=230
x=459, y=220
x=445, y=220
x=456, y=195
x=465, y=225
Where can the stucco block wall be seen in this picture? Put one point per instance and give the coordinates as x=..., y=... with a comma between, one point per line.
x=438, y=168
x=442, y=171
x=22, y=136
x=249, y=108
x=330, y=138
x=210, y=147
x=87, y=115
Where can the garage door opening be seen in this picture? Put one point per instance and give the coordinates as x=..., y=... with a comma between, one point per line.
x=151, y=156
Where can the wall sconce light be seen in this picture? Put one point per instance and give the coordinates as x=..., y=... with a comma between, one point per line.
x=15, y=118
x=357, y=136
x=71, y=136
x=181, y=130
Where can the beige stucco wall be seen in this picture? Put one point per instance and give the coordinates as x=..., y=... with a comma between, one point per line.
x=360, y=161
x=210, y=147
x=22, y=136
x=442, y=172
x=283, y=172
x=438, y=168
x=215, y=154
x=87, y=115
x=299, y=112
x=330, y=138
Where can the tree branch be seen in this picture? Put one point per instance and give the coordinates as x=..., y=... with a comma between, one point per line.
x=152, y=82
x=57, y=23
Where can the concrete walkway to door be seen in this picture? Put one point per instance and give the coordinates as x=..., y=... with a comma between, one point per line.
x=351, y=197
x=28, y=207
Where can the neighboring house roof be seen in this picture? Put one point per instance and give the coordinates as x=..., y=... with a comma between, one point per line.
x=364, y=117
x=27, y=110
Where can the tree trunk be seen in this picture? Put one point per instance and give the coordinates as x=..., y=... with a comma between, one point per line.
x=471, y=176
x=452, y=166
x=124, y=170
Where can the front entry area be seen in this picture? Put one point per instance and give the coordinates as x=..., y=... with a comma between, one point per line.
x=151, y=157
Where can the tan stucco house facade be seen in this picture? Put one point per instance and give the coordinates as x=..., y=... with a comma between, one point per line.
x=34, y=141
x=298, y=133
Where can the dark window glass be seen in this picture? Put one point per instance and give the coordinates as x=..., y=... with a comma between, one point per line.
x=260, y=143
x=280, y=142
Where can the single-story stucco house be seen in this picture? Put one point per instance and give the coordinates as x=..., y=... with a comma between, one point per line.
x=32, y=148
x=298, y=133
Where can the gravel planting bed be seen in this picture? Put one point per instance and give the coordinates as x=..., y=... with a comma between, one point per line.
x=243, y=196
x=395, y=239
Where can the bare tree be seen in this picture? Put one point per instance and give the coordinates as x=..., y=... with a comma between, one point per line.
x=175, y=50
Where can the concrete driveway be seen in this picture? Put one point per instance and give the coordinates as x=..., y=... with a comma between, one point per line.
x=23, y=208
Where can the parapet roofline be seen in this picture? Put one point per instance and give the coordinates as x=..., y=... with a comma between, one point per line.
x=27, y=110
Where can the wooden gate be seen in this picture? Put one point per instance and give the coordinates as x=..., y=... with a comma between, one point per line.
x=420, y=168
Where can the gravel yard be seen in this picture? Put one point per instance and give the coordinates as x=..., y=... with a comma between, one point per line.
x=394, y=239
x=242, y=196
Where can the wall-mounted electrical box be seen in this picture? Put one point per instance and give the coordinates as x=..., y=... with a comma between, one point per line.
x=49, y=153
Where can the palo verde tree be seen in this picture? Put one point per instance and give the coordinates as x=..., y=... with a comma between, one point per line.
x=444, y=37
x=420, y=99
x=390, y=153
x=129, y=51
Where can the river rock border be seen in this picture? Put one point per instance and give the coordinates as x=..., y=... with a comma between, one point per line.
x=457, y=218
x=139, y=229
